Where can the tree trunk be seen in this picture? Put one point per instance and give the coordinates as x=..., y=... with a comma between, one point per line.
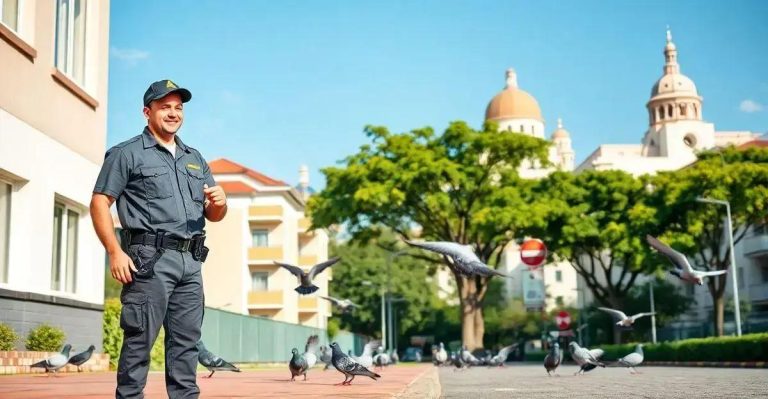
x=616, y=304
x=719, y=312
x=472, y=324
x=479, y=327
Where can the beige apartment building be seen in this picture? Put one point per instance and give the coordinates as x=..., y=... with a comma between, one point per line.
x=265, y=223
x=53, y=121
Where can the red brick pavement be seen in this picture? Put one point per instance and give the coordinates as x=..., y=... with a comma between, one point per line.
x=273, y=383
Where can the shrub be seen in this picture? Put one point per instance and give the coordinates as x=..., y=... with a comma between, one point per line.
x=333, y=328
x=535, y=356
x=8, y=337
x=45, y=338
x=113, y=337
x=751, y=347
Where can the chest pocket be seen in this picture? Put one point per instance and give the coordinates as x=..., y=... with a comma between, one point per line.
x=196, y=182
x=157, y=182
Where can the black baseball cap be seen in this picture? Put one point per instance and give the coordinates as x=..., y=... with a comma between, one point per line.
x=162, y=88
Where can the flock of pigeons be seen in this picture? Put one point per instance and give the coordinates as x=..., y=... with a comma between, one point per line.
x=56, y=362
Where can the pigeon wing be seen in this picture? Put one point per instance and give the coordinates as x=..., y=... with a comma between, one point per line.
x=678, y=259
x=295, y=270
x=451, y=249
x=712, y=273
x=318, y=268
x=616, y=314
x=331, y=299
x=639, y=315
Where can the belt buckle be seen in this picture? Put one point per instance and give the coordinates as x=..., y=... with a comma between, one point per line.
x=183, y=246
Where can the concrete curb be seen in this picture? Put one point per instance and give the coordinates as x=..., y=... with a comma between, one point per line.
x=746, y=365
x=426, y=385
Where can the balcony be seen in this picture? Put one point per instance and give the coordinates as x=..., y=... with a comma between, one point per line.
x=265, y=213
x=304, y=224
x=264, y=254
x=265, y=299
x=307, y=260
x=308, y=305
x=756, y=245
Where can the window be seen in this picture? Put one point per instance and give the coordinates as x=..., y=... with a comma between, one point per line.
x=9, y=14
x=740, y=273
x=64, y=260
x=259, y=281
x=558, y=276
x=690, y=140
x=764, y=272
x=690, y=289
x=559, y=300
x=260, y=238
x=70, y=39
x=5, y=228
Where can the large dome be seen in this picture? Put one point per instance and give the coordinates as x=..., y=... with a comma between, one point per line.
x=674, y=84
x=513, y=103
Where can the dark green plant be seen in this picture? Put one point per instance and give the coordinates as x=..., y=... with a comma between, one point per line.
x=45, y=338
x=747, y=348
x=8, y=337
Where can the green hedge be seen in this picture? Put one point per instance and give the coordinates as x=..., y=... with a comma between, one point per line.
x=45, y=338
x=113, y=337
x=752, y=347
x=8, y=337
x=535, y=356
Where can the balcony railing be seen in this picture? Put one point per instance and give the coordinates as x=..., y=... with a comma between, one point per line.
x=308, y=305
x=271, y=213
x=265, y=254
x=304, y=224
x=265, y=299
x=307, y=260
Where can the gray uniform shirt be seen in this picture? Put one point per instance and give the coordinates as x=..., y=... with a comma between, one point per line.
x=154, y=190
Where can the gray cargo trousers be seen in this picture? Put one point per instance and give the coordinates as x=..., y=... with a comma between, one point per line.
x=170, y=295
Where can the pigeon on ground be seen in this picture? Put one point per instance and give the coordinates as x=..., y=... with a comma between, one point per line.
x=584, y=358
x=464, y=259
x=325, y=356
x=502, y=356
x=597, y=354
x=381, y=359
x=344, y=305
x=683, y=269
x=553, y=359
x=622, y=320
x=212, y=362
x=82, y=357
x=366, y=358
x=393, y=357
x=468, y=358
x=55, y=362
x=348, y=366
x=297, y=365
x=441, y=356
x=305, y=278
x=633, y=359
x=458, y=362
x=310, y=351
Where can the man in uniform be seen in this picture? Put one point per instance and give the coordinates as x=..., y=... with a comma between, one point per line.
x=164, y=192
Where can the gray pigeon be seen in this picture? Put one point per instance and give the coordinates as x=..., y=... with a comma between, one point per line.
x=621, y=319
x=212, y=362
x=464, y=259
x=310, y=351
x=683, y=269
x=348, y=366
x=344, y=305
x=393, y=357
x=82, y=357
x=54, y=363
x=305, y=278
x=468, y=358
x=297, y=365
x=366, y=359
x=633, y=359
x=553, y=359
x=381, y=359
x=458, y=362
x=325, y=356
x=585, y=358
x=440, y=355
x=502, y=356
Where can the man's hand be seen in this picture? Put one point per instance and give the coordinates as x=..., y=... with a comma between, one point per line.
x=120, y=264
x=214, y=195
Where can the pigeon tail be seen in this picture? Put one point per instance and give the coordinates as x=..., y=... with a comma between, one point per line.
x=372, y=375
x=41, y=364
x=302, y=290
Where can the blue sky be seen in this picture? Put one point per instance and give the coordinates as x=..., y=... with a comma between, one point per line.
x=277, y=84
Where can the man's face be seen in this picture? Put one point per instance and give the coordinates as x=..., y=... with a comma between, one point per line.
x=165, y=115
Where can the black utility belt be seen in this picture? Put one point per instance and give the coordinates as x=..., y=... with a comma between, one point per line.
x=195, y=245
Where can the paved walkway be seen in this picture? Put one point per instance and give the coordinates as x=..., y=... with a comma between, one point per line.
x=272, y=383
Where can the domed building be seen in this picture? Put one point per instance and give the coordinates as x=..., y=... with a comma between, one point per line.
x=517, y=111
x=676, y=127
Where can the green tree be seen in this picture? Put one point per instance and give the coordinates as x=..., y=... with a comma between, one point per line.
x=597, y=220
x=697, y=229
x=460, y=186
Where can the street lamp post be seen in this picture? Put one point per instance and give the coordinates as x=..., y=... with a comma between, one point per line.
x=734, y=273
x=391, y=341
x=383, y=309
x=653, y=314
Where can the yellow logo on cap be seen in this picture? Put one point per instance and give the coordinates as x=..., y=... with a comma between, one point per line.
x=193, y=166
x=170, y=85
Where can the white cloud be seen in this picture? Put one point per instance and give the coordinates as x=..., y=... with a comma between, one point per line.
x=750, y=106
x=129, y=56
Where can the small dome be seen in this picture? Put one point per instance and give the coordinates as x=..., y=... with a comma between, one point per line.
x=560, y=133
x=674, y=83
x=513, y=102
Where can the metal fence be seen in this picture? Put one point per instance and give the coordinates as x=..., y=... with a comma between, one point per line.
x=249, y=339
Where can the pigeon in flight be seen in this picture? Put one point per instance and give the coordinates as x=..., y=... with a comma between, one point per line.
x=305, y=278
x=683, y=269
x=54, y=363
x=345, y=305
x=464, y=259
x=633, y=359
x=502, y=356
x=585, y=358
x=622, y=320
x=310, y=351
x=298, y=365
x=82, y=357
x=553, y=359
x=348, y=366
x=212, y=362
